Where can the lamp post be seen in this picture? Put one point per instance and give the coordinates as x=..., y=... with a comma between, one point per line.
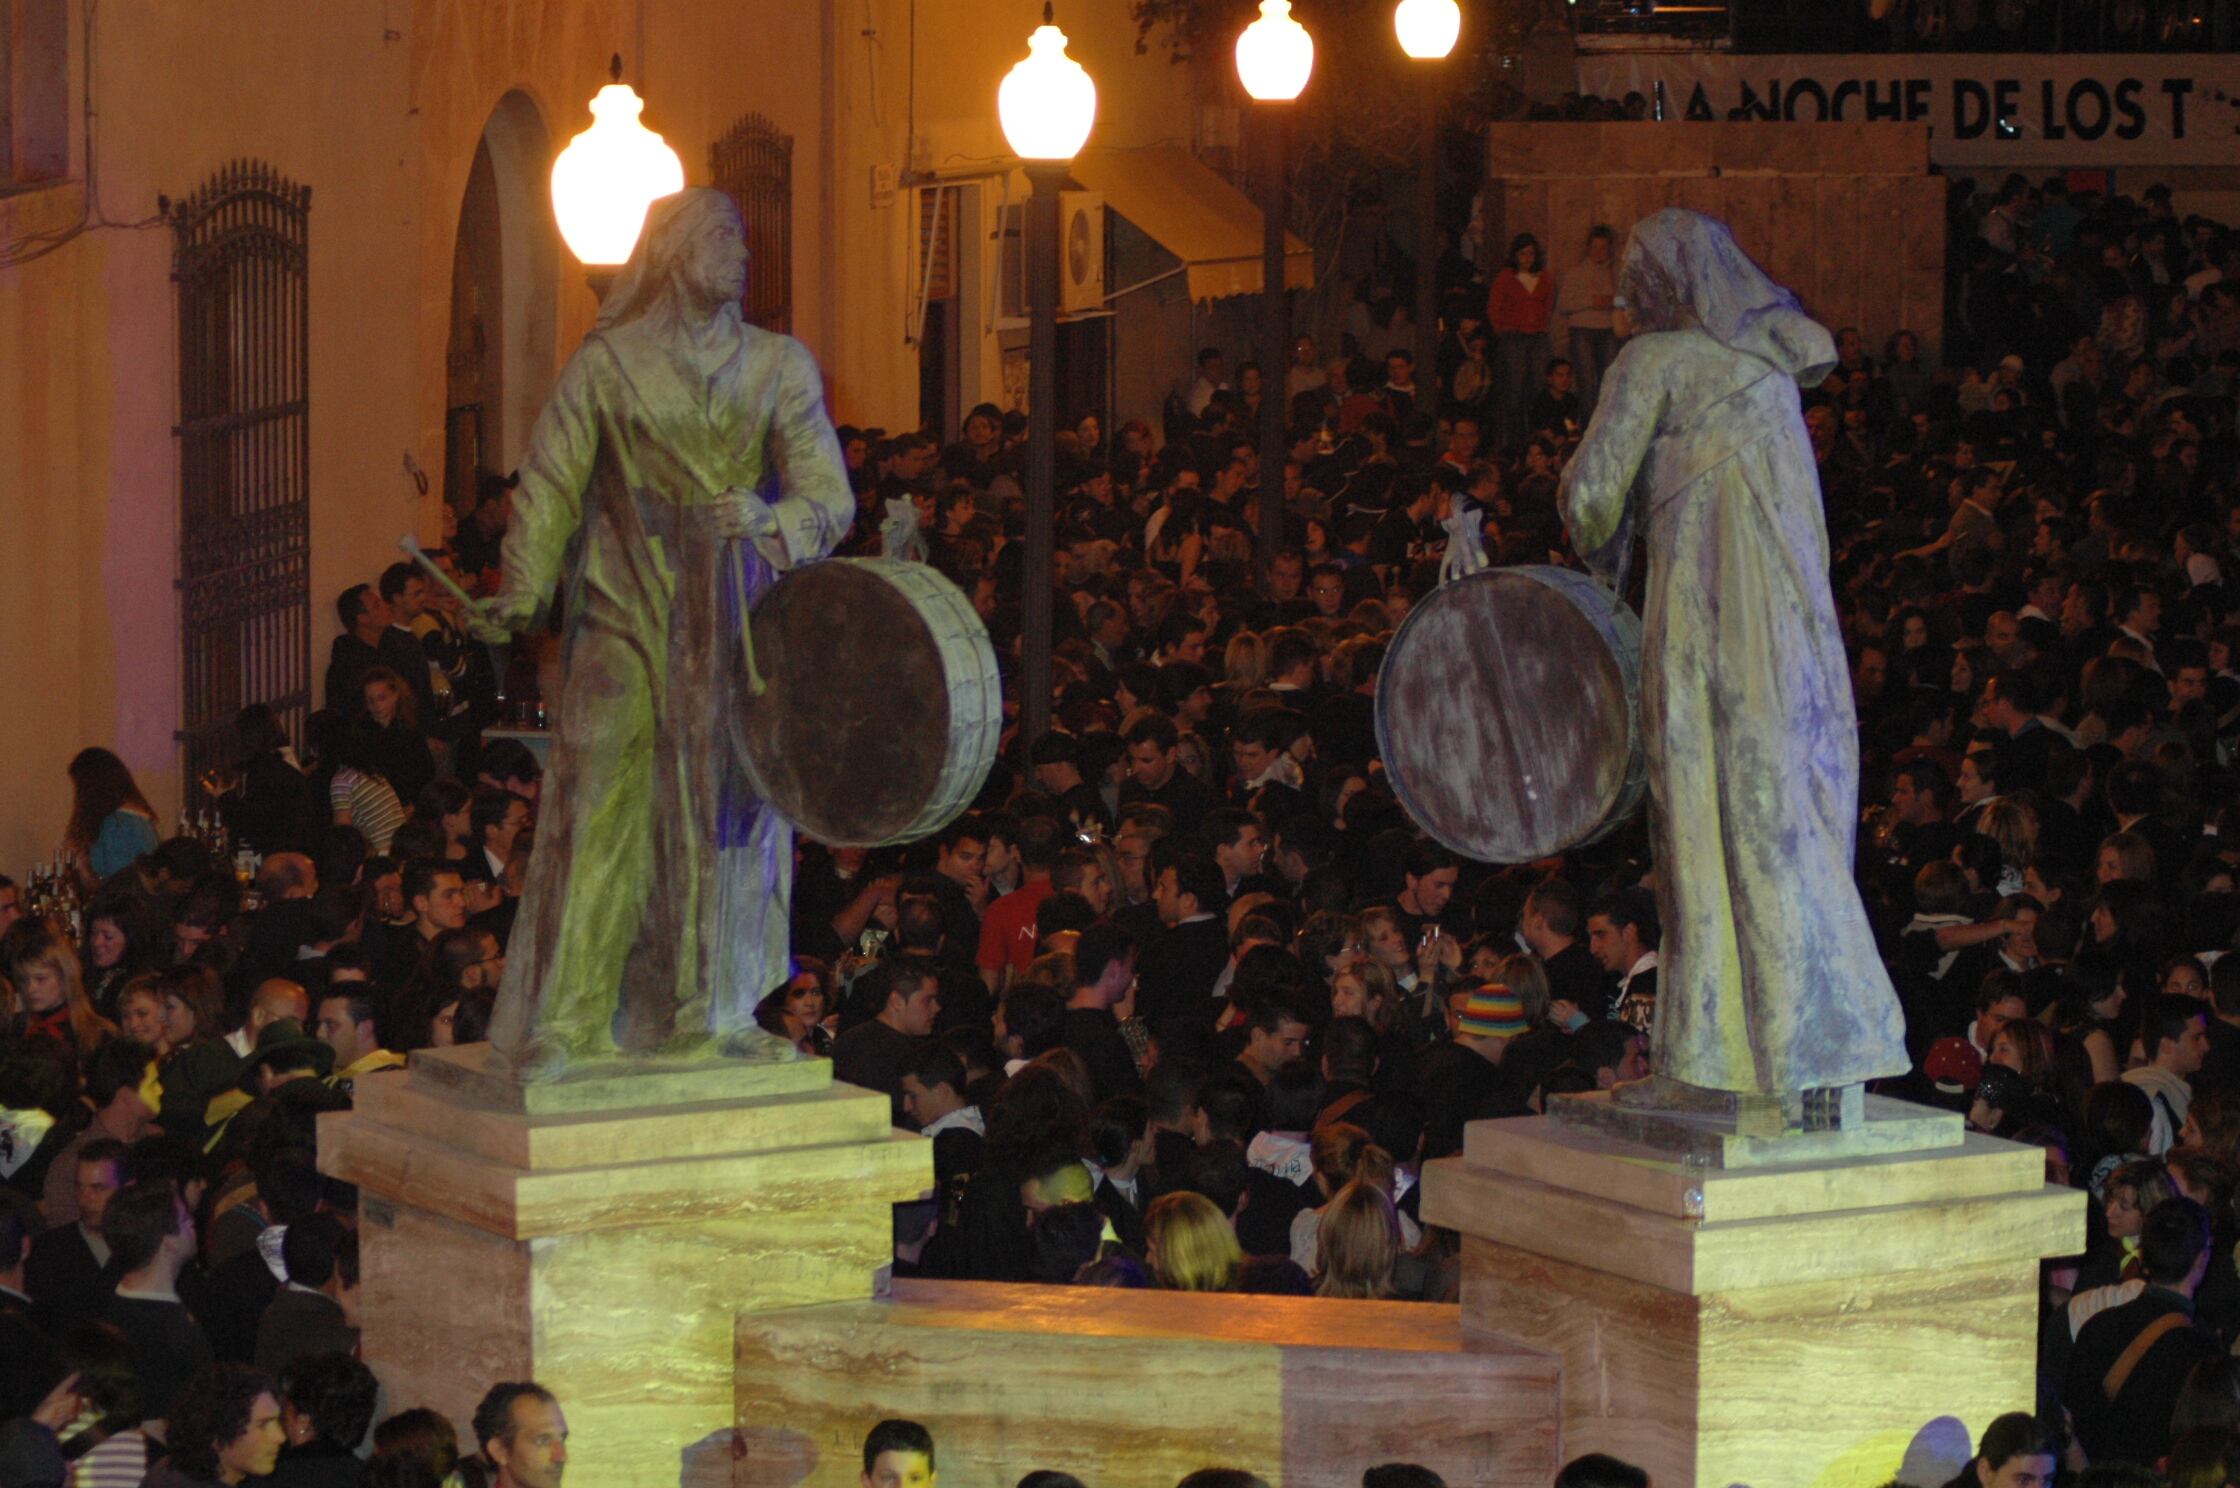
x=1427, y=31
x=1275, y=57
x=1048, y=104
x=607, y=177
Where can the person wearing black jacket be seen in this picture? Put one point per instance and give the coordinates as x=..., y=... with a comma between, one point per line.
x=1178, y=969
x=225, y=1430
x=28, y=1363
x=1034, y=1122
x=272, y=806
x=1104, y=973
x=2130, y=1362
x=357, y=650
x=393, y=740
x=331, y=1400
x=1550, y=925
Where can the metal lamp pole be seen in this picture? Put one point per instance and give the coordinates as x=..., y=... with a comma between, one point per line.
x=1427, y=30
x=1275, y=332
x=1427, y=242
x=1047, y=104
x=1045, y=177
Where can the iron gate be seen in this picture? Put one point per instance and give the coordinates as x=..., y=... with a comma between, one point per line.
x=753, y=163
x=241, y=264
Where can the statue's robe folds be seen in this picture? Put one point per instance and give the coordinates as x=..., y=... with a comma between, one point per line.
x=660, y=883
x=1769, y=980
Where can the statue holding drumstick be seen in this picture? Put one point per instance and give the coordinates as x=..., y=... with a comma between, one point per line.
x=655, y=912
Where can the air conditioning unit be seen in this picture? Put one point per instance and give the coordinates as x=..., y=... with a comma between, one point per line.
x=1081, y=286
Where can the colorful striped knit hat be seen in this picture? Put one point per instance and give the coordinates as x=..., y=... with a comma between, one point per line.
x=1493, y=1011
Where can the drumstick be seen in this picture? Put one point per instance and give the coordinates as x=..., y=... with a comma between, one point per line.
x=411, y=546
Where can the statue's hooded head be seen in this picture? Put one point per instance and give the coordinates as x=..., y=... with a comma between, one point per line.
x=690, y=262
x=1683, y=269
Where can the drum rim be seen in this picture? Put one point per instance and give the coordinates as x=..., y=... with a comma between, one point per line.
x=1564, y=584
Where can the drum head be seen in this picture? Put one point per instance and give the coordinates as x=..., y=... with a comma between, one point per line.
x=1503, y=717
x=852, y=739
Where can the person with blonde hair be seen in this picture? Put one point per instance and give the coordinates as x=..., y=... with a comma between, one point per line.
x=1342, y=1153
x=2013, y=825
x=143, y=1014
x=1244, y=662
x=51, y=995
x=1526, y=975
x=1359, y=1242
x=1366, y=990
x=2125, y=856
x=1190, y=1245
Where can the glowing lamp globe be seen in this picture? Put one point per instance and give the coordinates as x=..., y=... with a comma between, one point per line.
x=1047, y=101
x=608, y=176
x=1275, y=55
x=1427, y=28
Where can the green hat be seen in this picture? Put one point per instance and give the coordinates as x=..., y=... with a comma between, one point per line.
x=283, y=1041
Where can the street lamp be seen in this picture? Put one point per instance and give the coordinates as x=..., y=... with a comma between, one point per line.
x=1048, y=104
x=1275, y=57
x=607, y=177
x=1427, y=28
x=1427, y=31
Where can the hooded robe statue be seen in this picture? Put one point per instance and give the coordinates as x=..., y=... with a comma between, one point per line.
x=1768, y=980
x=655, y=912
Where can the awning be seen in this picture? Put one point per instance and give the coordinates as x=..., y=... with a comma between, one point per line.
x=1193, y=213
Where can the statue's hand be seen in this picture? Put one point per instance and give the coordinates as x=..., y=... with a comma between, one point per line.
x=498, y=619
x=740, y=513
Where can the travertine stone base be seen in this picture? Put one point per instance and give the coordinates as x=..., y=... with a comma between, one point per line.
x=471, y=1076
x=1140, y=1388
x=1762, y=1135
x=1784, y=1327
x=607, y=1252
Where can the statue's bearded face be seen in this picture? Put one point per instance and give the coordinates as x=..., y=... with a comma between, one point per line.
x=716, y=267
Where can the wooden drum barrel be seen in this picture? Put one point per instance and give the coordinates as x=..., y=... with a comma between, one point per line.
x=1509, y=714
x=883, y=706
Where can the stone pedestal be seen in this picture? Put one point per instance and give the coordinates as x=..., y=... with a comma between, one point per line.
x=601, y=1237
x=1784, y=1325
x=1141, y=1388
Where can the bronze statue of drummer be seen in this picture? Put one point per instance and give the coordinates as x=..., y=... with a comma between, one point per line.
x=654, y=915
x=1769, y=982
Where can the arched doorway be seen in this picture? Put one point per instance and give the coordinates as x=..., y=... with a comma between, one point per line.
x=503, y=276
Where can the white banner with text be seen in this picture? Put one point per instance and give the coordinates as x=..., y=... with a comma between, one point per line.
x=1984, y=110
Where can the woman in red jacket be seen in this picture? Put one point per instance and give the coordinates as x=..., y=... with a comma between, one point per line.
x=1518, y=309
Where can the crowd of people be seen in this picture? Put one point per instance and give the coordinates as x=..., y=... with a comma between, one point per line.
x=1186, y=1000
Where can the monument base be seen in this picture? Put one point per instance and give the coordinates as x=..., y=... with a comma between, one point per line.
x=1806, y=1324
x=1141, y=1387
x=1747, y=1138
x=602, y=1236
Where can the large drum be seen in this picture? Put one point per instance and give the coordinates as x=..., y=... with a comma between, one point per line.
x=883, y=705
x=1509, y=713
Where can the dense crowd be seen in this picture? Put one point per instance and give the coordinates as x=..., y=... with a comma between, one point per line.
x=1186, y=1000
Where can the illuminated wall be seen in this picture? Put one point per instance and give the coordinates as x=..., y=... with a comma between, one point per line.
x=378, y=106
